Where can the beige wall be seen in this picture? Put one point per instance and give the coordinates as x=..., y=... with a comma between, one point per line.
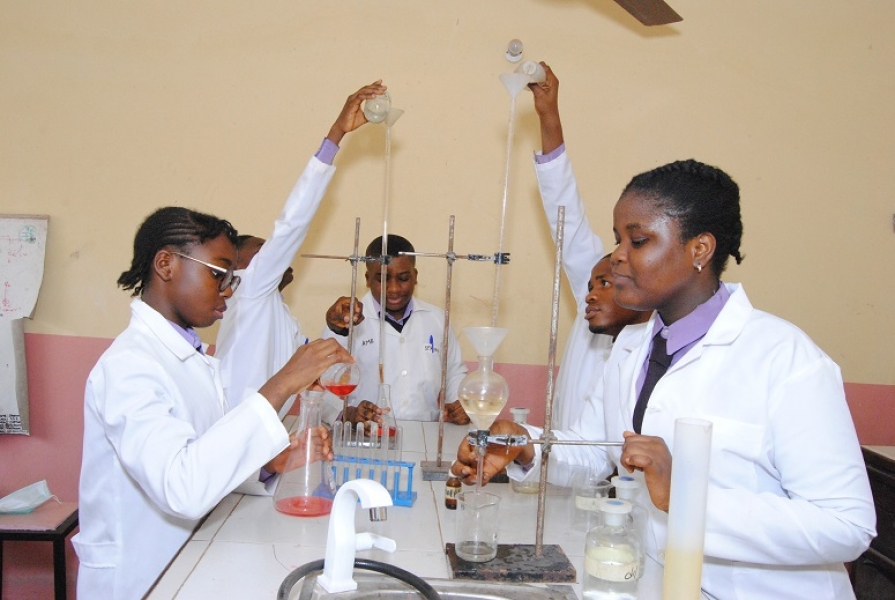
x=111, y=109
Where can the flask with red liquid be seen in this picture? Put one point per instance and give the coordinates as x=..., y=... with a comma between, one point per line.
x=389, y=424
x=306, y=487
x=341, y=379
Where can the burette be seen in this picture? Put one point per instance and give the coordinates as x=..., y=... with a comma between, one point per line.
x=376, y=110
x=380, y=110
x=531, y=72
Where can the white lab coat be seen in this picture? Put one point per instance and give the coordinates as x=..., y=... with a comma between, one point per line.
x=412, y=361
x=160, y=450
x=580, y=377
x=258, y=334
x=788, y=499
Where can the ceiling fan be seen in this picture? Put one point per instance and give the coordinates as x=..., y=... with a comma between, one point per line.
x=650, y=12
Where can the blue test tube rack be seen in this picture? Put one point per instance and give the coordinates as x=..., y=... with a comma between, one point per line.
x=349, y=468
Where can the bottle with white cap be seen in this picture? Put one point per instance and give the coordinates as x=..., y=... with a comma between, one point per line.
x=532, y=482
x=612, y=555
x=627, y=487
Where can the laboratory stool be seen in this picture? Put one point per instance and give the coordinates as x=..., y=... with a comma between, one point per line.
x=50, y=522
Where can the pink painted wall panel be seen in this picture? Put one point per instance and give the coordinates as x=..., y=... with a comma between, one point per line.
x=57, y=370
x=58, y=367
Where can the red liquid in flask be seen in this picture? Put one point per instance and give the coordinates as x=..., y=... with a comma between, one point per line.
x=341, y=389
x=305, y=506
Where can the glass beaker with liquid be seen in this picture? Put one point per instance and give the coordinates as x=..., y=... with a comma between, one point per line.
x=306, y=487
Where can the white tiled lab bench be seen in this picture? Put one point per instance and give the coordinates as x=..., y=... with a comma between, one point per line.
x=245, y=548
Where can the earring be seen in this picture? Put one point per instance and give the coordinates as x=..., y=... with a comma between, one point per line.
x=698, y=268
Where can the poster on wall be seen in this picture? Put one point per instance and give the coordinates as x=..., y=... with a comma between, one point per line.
x=23, y=240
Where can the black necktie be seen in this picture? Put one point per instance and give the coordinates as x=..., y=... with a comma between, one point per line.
x=658, y=364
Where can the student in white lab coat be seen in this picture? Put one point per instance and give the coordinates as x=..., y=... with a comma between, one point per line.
x=258, y=333
x=414, y=331
x=161, y=444
x=788, y=500
x=580, y=378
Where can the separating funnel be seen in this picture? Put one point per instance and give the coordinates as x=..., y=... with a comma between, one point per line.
x=483, y=393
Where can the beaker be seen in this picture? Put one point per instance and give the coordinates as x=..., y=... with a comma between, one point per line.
x=534, y=70
x=306, y=487
x=484, y=392
x=476, y=526
x=588, y=491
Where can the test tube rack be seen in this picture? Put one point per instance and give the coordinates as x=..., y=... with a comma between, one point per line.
x=349, y=468
x=373, y=454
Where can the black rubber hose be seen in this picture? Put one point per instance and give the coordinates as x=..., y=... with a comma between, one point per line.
x=407, y=577
x=293, y=577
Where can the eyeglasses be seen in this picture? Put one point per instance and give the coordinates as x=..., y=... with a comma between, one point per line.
x=226, y=276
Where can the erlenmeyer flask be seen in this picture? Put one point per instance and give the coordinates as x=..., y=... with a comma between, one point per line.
x=484, y=392
x=306, y=487
x=389, y=425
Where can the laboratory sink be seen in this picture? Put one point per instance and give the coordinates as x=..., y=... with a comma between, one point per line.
x=382, y=587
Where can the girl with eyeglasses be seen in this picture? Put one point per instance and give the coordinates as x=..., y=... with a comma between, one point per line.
x=161, y=444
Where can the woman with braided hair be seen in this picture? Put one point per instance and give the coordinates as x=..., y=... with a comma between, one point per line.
x=788, y=498
x=161, y=444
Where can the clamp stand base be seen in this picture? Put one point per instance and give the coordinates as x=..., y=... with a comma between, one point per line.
x=432, y=471
x=515, y=562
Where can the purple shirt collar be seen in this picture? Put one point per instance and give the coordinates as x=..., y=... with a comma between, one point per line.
x=687, y=331
x=189, y=335
x=684, y=333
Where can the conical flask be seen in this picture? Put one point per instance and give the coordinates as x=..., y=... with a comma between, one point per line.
x=306, y=487
x=388, y=431
x=483, y=393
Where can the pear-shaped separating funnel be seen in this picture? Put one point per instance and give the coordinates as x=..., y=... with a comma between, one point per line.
x=484, y=392
x=485, y=339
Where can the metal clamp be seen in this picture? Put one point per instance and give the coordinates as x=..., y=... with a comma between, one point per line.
x=483, y=437
x=498, y=258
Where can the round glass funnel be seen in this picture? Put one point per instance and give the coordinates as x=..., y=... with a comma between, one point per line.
x=376, y=109
x=483, y=393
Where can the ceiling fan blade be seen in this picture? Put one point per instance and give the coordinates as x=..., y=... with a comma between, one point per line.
x=650, y=12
